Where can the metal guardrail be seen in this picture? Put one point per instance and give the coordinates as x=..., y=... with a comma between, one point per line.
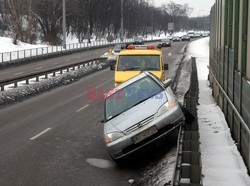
x=15, y=80
x=34, y=52
x=230, y=102
x=188, y=159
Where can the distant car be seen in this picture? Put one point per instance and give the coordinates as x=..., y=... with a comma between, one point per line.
x=191, y=34
x=196, y=35
x=206, y=34
x=185, y=38
x=165, y=43
x=139, y=112
x=117, y=48
x=176, y=38
x=138, y=41
x=170, y=38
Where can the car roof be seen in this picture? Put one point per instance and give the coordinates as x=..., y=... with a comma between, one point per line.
x=126, y=83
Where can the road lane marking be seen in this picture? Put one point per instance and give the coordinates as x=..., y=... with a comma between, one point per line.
x=82, y=108
x=19, y=73
x=41, y=133
x=67, y=60
x=38, y=68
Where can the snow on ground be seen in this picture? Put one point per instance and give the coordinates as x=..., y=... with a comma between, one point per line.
x=222, y=163
x=13, y=95
x=6, y=45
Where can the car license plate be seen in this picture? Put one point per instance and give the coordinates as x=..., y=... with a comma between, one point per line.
x=145, y=134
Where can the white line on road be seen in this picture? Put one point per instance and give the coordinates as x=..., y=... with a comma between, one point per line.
x=19, y=73
x=38, y=68
x=41, y=133
x=82, y=108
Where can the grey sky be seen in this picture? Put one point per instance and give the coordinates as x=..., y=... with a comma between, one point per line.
x=201, y=7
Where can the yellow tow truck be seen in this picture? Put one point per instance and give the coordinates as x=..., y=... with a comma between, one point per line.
x=135, y=59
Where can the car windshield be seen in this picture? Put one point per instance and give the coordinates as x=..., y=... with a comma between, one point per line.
x=139, y=62
x=130, y=96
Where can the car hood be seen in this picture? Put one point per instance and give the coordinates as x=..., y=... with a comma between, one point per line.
x=136, y=114
x=121, y=76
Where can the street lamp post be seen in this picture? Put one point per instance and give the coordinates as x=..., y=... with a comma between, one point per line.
x=64, y=25
x=122, y=20
x=152, y=24
x=199, y=17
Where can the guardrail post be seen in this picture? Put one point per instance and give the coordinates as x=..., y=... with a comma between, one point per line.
x=37, y=78
x=27, y=81
x=67, y=69
x=54, y=74
x=2, y=88
x=15, y=84
x=46, y=76
x=2, y=57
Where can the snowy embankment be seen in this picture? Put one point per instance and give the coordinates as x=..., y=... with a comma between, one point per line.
x=6, y=45
x=222, y=163
x=13, y=95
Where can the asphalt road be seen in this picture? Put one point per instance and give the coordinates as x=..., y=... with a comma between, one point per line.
x=55, y=138
x=42, y=65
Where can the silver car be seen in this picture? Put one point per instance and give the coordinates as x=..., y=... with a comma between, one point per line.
x=138, y=112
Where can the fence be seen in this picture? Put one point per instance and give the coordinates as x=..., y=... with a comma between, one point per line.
x=188, y=162
x=229, y=67
x=15, y=80
x=34, y=52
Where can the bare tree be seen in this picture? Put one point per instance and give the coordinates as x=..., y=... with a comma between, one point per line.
x=178, y=12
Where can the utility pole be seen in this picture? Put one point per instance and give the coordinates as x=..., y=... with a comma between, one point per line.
x=152, y=24
x=199, y=19
x=64, y=25
x=122, y=34
x=152, y=20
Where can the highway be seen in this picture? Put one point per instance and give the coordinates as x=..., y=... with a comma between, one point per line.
x=41, y=65
x=55, y=138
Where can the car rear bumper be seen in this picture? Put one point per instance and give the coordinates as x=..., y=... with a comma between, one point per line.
x=166, y=44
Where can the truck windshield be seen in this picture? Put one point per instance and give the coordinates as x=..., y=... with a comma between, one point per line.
x=139, y=62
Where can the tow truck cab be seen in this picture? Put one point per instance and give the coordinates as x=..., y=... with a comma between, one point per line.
x=136, y=59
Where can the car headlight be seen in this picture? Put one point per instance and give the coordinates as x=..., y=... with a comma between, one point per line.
x=165, y=107
x=113, y=136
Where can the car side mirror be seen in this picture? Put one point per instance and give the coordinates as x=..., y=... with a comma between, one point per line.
x=112, y=67
x=165, y=66
x=167, y=83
